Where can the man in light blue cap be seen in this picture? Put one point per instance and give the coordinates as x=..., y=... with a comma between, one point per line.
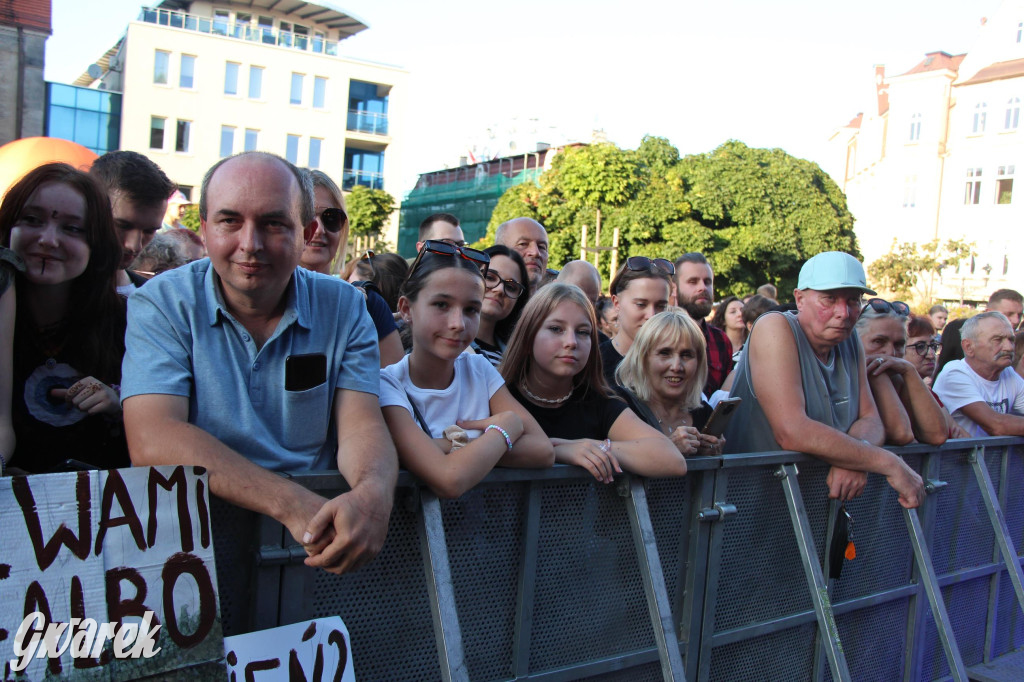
x=804, y=385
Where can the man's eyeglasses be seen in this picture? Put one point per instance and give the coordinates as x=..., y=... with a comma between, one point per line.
x=332, y=219
x=922, y=347
x=643, y=263
x=513, y=289
x=880, y=305
x=453, y=242
x=443, y=248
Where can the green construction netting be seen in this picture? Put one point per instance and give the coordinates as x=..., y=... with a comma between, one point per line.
x=471, y=201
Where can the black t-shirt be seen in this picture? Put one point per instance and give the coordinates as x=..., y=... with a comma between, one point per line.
x=610, y=359
x=699, y=415
x=380, y=313
x=585, y=415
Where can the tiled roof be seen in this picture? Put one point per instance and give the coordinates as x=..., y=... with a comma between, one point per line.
x=998, y=71
x=937, y=61
x=855, y=122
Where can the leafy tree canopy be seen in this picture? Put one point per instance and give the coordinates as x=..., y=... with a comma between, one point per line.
x=757, y=214
x=909, y=270
x=368, y=210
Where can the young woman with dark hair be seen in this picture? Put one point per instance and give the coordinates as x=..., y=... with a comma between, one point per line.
x=640, y=290
x=450, y=415
x=553, y=368
x=729, y=318
x=504, y=299
x=70, y=324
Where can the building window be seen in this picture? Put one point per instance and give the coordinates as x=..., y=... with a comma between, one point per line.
x=368, y=107
x=252, y=140
x=1020, y=31
x=1012, y=114
x=90, y=117
x=183, y=133
x=227, y=141
x=221, y=19
x=255, y=82
x=188, y=71
x=296, y=93
x=972, y=190
x=231, y=78
x=910, y=191
x=363, y=167
x=1004, y=184
x=156, y=132
x=915, y=127
x=319, y=92
x=980, y=115
x=291, y=150
x=161, y=65
x=314, y=152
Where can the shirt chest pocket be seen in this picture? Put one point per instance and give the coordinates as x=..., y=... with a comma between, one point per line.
x=306, y=416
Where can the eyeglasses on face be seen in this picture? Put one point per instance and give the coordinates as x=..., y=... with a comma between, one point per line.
x=880, y=305
x=453, y=242
x=443, y=248
x=513, y=289
x=922, y=347
x=332, y=219
x=642, y=263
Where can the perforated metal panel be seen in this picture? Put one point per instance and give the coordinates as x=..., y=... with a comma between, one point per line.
x=966, y=604
x=873, y=642
x=590, y=601
x=963, y=534
x=483, y=530
x=669, y=502
x=234, y=548
x=650, y=672
x=779, y=657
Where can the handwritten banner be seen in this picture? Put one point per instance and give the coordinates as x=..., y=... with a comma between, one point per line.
x=108, y=575
x=316, y=650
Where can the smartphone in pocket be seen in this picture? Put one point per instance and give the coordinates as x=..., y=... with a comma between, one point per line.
x=303, y=372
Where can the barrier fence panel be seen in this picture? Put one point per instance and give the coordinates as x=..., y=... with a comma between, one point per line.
x=550, y=575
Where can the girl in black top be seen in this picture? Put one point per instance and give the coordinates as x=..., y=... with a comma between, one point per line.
x=662, y=376
x=503, y=303
x=552, y=366
x=69, y=329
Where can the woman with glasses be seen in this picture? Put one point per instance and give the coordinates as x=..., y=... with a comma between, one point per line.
x=505, y=296
x=327, y=247
x=640, y=291
x=553, y=368
x=922, y=351
x=450, y=415
x=663, y=374
x=905, y=404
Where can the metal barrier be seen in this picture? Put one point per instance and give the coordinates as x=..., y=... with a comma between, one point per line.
x=714, y=576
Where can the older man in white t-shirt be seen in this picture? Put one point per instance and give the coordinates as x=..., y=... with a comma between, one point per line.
x=982, y=392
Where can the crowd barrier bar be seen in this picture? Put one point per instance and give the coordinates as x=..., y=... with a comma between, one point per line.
x=546, y=575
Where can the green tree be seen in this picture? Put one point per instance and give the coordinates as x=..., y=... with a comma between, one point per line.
x=368, y=211
x=190, y=217
x=909, y=270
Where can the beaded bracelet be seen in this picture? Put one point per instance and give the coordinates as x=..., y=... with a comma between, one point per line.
x=508, y=439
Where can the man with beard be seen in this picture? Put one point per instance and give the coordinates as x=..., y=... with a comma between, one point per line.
x=804, y=385
x=695, y=293
x=138, y=192
x=983, y=392
x=530, y=239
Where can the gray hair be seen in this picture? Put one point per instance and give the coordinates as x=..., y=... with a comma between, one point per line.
x=305, y=182
x=869, y=314
x=970, y=328
x=164, y=252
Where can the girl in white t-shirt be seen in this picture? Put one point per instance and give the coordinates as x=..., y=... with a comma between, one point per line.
x=450, y=415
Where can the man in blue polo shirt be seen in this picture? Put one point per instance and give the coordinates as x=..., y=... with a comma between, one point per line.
x=247, y=365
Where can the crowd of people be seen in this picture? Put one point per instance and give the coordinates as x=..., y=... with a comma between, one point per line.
x=240, y=352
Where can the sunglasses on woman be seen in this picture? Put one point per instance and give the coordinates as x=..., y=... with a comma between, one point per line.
x=643, y=263
x=513, y=289
x=880, y=305
x=332, y=219
x=481, y=259
x=367, y=260
x=922, y=347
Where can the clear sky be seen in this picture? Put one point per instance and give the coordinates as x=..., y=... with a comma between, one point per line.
x=783, y=73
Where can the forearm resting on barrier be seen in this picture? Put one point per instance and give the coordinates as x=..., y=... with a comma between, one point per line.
x=994, y=423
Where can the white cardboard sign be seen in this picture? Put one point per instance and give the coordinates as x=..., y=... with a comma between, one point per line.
x=315, y=650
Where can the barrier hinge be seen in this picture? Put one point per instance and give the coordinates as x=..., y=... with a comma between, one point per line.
x=719, y=512
x=932, y=485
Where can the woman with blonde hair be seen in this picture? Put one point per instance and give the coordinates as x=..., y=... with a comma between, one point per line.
x=553, y=367
x=662, y=376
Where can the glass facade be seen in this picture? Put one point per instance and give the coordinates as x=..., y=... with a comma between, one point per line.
x=92, y=118
x=367, y=110
x=363, y=167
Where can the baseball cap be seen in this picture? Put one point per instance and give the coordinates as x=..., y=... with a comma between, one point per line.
x=833, y=270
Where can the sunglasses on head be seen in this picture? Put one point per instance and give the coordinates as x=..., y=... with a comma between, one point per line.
x=643, y=263
x=513, y=289
x=442, y=248
x=332, y=219
x=922, y=347
x=880, y=305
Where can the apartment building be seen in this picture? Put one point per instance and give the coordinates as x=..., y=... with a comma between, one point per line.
x=203, y=80
x=934, y=155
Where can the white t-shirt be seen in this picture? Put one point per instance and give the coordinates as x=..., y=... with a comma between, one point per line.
x=959, y=385
x=467, y=397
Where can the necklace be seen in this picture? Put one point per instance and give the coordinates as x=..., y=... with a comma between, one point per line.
x=547, y=401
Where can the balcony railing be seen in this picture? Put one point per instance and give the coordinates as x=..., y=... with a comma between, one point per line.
x=368, y=122
x=240, y=31
x=351, y=178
